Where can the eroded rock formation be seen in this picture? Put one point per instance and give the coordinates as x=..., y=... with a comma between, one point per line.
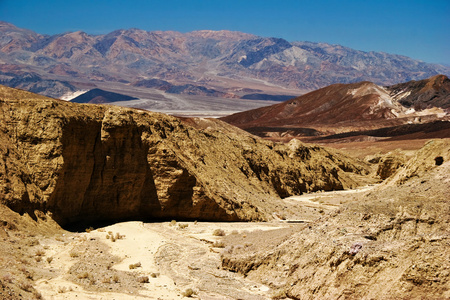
x=89, y=163
x=390, y=244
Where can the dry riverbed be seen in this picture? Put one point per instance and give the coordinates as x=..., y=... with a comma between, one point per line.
x=135, y=260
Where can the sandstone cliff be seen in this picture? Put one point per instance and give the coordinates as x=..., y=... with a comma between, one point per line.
x=89, y=163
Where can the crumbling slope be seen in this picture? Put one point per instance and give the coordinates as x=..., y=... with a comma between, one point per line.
x=89, y=163
x=393, y=243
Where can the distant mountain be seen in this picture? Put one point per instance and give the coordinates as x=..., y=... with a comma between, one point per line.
x=14, y=76
x=98, y=96
x=344, y=107
x=225, y=61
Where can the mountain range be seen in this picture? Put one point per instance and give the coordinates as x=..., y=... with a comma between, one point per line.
x=214, y=63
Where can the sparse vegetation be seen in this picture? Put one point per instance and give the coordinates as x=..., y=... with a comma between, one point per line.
x=74, y=254
x=26, y=286
x=116, y=278
x=188, y=293
x=219, y=232
x=135, y=266
x=218, y=244
x=83, y=275
x=106, y=280
x=49, y=259
x=89, y=229
x=143, y=279
x=183, y=226
x=173, y=223
x=113, y=237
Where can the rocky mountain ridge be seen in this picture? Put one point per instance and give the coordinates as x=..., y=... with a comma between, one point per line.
x=219, y=60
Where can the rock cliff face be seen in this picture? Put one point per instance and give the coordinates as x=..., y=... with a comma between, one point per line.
x=89, y=163
x=390, y=244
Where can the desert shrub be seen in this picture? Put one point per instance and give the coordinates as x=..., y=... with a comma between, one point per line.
x=219, y=232
x=218, y=244
x=62, y=289
x=143, y=279
x=89, y=229
x=116, y=278
x=49, y=259
x=188, y=293
x=154, y=275
x=26, y=286
x=183, y=226
x=134, y=266
x=83, y=275
x=40, y=252
x=74, y=254
x=106, y=280
x=173, y=223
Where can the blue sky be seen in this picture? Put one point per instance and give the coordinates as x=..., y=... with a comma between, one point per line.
x=419, y=29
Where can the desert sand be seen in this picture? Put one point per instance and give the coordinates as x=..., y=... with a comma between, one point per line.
x=174, y=256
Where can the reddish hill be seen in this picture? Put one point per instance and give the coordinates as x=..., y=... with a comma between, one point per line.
x=337, y=103
x=345, y=107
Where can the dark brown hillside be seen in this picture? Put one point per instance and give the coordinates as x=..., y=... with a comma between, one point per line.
x=98, y=96
x=431, y=92
x=335, y=104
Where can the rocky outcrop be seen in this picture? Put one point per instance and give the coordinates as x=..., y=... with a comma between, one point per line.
x=89, y=163
x=423, y=94
x=390, y=163
x=390, y=244
x=433, y=154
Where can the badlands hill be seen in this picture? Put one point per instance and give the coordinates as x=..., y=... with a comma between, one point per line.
x=224, y=61
x=351, y=107
x=89, y=163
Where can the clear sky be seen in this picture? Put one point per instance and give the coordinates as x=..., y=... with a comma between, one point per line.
x=416, y=28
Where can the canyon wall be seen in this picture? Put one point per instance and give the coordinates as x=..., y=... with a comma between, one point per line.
x=92, y=163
